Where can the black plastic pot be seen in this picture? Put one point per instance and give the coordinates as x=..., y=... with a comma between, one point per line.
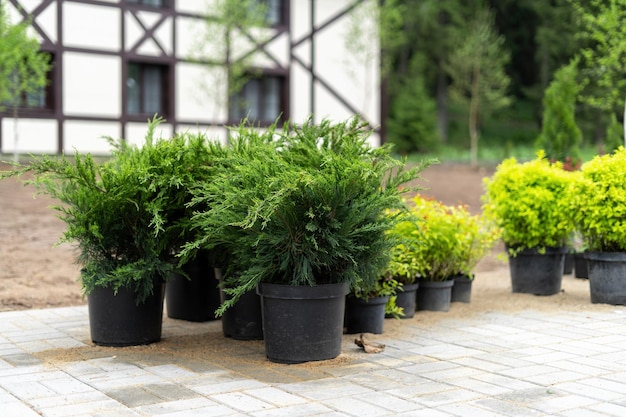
x=462, y=289
x=434, y=295
x=194, y=299
x=406, y=298
x=117, y=320
x=365, y=316
x=537, y=273
x=568, y=264
x=302, y=323
x=581, y=269
x=244, y=320
x=607, y=277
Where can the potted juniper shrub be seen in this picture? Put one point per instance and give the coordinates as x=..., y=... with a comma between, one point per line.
x=121, y=216
x=242, y=320
x=530, y=202
x=302, y=216
x=601, y=221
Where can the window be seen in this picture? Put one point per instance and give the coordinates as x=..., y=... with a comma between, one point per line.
x=261, y=100
x=146, y=89
x=274, y=12
x=43, y=97
x=150, y=3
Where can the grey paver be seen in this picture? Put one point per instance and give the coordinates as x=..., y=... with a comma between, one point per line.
x=526, y=363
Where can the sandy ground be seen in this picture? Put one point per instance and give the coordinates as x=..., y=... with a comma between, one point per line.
x=35, y=273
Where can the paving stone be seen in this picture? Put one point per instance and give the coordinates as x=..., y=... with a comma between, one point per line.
x=300, y=410
x=186, y=405
x=535, y=364
x=389, y=402
x=588, y=390
x=561, y=403
x=242, y=402
x=134, y=396
x=18, y=409
x=275, y=396
x=355, y=407
x=68, y=399
x=22, y=359
x=609, y=409
x=468, y=410
x=581, y=412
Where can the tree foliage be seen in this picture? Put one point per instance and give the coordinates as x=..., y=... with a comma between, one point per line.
x=603, y=58
x=23, y=67
x=560, y=136
x=477, y=69
x=412, y=125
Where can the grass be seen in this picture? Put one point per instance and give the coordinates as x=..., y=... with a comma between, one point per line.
x=492, y=155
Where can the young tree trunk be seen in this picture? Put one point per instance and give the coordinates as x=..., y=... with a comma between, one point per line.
x=442, y=105
x=473, y=119
x=625, y=123
x=16, y=157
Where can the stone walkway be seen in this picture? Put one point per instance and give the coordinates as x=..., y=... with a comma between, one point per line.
x=528, y=363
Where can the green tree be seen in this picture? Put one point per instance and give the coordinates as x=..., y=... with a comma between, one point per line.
x=560, y=137
x=477, y=69
x=431, y=27
x=614, y=134
x=603, y=58
x=23, y=67
x=412, y=126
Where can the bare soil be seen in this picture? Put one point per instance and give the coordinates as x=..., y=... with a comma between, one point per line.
x=36, y=273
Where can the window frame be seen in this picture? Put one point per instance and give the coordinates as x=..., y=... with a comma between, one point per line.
x=284, y=105
x=165, y=90
x=166, y=4
x=49, y=91
x=283, y=17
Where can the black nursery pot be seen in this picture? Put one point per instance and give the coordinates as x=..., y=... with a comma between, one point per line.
x=117, y=319
x=302, y=323
x=607, y=277
x=406, y=299
x=195, y=298
x=434, y=295
x=365, y=316
x=581, y=269
x=537, y=273
x=462, y=289
x=244, y=319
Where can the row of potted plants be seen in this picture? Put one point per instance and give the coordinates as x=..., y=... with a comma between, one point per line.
x=541, y=208
x=299, y=215
x=439, y=248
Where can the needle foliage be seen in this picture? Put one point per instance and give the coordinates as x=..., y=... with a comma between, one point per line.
x=128, y=215
x=306, y=205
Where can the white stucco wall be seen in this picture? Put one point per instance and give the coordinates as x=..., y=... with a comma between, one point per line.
x=136, y=132
x=89, y=26
x=34, y=136
x=87, y=136
x=92, y=84
x=200, y=93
